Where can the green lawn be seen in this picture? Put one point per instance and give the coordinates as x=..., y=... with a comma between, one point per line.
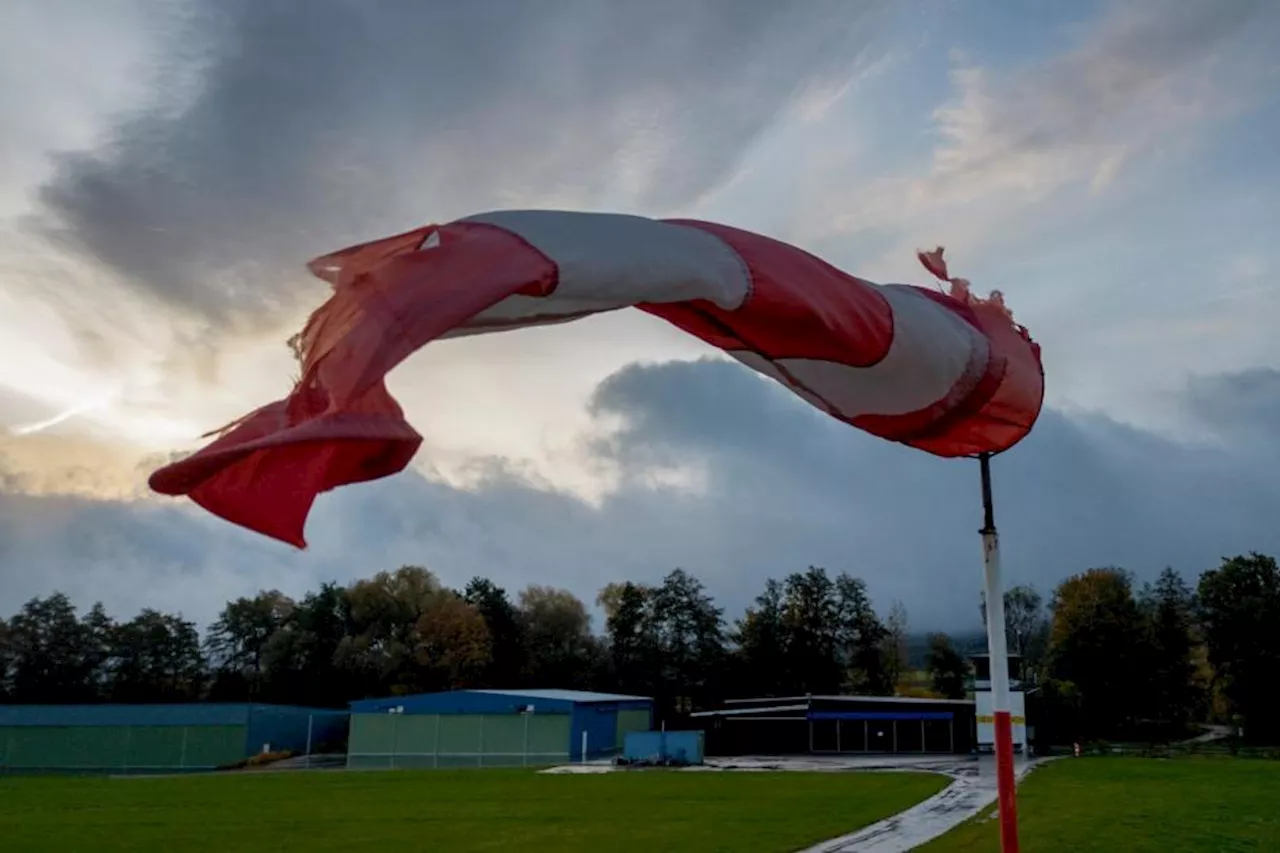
x=1138, y=805
x=468, y=810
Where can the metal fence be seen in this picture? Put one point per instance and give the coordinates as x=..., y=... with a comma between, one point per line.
x=123, y=749
x=407, y=741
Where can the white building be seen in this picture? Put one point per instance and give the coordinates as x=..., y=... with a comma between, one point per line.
x=983, y=709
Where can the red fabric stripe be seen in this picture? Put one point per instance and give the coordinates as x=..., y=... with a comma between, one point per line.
x=340, y=425
x=799, y=307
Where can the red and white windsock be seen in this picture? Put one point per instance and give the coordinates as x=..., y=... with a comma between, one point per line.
x=949, y=374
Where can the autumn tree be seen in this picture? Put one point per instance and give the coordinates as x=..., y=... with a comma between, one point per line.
x=453, y=647
x=381, y=650
x=1097, y=643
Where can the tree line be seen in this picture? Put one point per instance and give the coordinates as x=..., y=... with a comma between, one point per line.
x=1108, y=659
x=1103, y=657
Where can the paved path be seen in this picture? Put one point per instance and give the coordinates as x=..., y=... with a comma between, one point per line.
x=1211, y=733
x=972, y=789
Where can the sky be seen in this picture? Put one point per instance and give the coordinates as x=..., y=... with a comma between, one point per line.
x=1108, y=165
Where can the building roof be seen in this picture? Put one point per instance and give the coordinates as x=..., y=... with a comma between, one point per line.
x=579, y=696
x=897, y=700
x=742, y=712
x=176, y=714
x=779, y=704
x=491, y=701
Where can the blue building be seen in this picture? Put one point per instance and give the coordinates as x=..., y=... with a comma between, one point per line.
x=493, y=728
x=156, y=738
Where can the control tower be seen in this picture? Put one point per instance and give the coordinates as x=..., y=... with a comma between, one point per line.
x=982, y=701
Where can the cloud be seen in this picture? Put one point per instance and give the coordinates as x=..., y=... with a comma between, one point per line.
x=312, y=126
x=1242, y=408
x=1140, y=85
x=756, y=484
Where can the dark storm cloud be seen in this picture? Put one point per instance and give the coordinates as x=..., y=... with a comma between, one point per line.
x=785, y=487
x=1244, y=406
x=317, y=124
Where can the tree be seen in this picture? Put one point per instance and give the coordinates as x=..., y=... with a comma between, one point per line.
x=1240, y=608
x=508, y=659
x=380, y=651
x=634, y=646
x=811, y=623
x=609, y=599
x=1097, y=643
x=98, y=644
x=52, y=654
x=862, y=639
x=301, y=656
x=1169, y=608
x=453, y=647
x=562, y=651
x=946, y=667
x=238, y=638
x=1025, y=627
x=761, y=638
x=690, y=632
x=155, y=657
x=893, y=648
x=6, y=662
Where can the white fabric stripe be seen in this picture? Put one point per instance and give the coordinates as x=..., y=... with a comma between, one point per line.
x=610, y=260
x=933, y=351
x=520, y=311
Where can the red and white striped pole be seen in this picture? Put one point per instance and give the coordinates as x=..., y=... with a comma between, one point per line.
x=999, y=657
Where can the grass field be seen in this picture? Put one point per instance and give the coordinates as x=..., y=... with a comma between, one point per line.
x=1138, y=805
x=469, y=810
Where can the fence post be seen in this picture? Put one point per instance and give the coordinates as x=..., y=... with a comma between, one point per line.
x=584, y=746
x=395, y=738
x=524, y=755
x=182, y=756
x=480, y=751
x=128, y=730
x=435, y=760
x=310, y=721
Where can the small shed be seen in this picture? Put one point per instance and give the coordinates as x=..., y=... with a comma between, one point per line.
x=492, y=728
x=162, y=738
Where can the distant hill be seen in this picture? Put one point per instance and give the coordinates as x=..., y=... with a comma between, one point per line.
x=970, y=642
